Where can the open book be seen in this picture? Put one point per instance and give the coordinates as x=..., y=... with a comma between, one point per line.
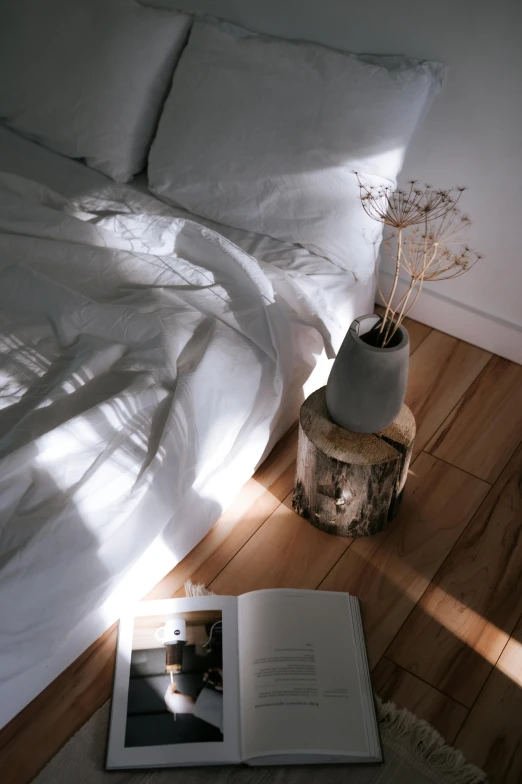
x=270, y=677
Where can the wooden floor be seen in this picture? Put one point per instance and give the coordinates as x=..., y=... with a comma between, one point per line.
x=441, y=590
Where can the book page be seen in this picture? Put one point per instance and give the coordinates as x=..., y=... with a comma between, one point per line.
x=176, y=690
x=299, y=676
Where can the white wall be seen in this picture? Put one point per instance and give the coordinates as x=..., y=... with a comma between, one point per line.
x=471, y=136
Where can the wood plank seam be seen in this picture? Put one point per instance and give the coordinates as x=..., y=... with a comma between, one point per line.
x=350, y=542
x=213, y=579
x=249, y=538
x=490, y=675
x=281, y=503
x=494, y=667
x=469, y=472
x=459, y=468
x=284, y=502
x=434, y=581
x=491, y=734
x=493, y=670
x=487, y=379
x=421, y=679
x=467, y=394
x=288, y=503
x=420, y=344
x=405, y=690
x=486, y=448
x=434, y=578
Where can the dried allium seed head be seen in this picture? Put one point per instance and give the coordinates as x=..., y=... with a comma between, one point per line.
x=430, y=227
x=405, y=208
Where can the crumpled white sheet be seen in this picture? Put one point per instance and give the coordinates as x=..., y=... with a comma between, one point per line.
x=144, y=362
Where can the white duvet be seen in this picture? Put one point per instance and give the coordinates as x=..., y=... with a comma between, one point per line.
x=145, y=361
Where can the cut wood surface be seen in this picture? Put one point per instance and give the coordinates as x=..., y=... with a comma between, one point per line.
x=390, y=571
x=349, y=483
x=459, y=628
x=260, y=542
x=491, y=736
x=485, y=428
x=392, y=682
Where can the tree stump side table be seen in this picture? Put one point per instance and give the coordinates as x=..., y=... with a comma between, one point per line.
x=347, y=483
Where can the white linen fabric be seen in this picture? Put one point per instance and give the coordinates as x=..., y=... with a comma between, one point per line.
x=141, y=358
x=263, y=134
x=87, y=78
x=145, y=363
x=332, y=292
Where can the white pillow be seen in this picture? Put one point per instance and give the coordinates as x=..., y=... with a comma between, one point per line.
x=87, y=78
x=263, y=134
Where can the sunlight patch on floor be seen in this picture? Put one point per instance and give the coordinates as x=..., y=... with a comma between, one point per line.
x=510, y=663
x=468, y=626
x=157, y=561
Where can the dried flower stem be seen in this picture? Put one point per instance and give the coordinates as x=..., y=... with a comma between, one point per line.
x=413, y=282
x=395, y=280
x=404, y=312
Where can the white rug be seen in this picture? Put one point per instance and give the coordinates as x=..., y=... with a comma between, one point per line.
x=414, y=753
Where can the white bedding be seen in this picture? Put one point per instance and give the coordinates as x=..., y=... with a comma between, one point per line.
x=147, y=363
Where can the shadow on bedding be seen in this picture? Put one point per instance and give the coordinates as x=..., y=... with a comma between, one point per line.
x=41, y=579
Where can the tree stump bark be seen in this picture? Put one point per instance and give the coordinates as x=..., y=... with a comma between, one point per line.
x=347, y=483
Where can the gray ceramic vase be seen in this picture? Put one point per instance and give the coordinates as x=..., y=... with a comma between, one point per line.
x=367, y=385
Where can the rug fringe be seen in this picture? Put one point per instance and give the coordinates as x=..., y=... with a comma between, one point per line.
x=197, y=589
x=418, y=738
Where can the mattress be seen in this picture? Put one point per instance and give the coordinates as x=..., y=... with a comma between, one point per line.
x=75, y=243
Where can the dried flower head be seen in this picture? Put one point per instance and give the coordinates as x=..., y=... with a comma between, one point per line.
x=400, y=209
x=437, y=252
x=427, y=240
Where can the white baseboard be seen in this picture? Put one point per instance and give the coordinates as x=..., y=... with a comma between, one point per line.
x=464, y=322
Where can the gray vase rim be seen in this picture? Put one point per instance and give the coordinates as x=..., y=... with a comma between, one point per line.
x=354, y=333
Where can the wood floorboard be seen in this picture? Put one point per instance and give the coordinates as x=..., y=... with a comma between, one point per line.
x=241, y=533
x=441, y=371
x=392, y=682
x=443, y=580
x=286, y=552
x=418, y=333
x=483, y=431
x=457, y=631
x=491, y=736
x=390, y=571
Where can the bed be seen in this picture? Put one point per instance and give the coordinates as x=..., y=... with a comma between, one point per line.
x=158, y=336
x=64, y=572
